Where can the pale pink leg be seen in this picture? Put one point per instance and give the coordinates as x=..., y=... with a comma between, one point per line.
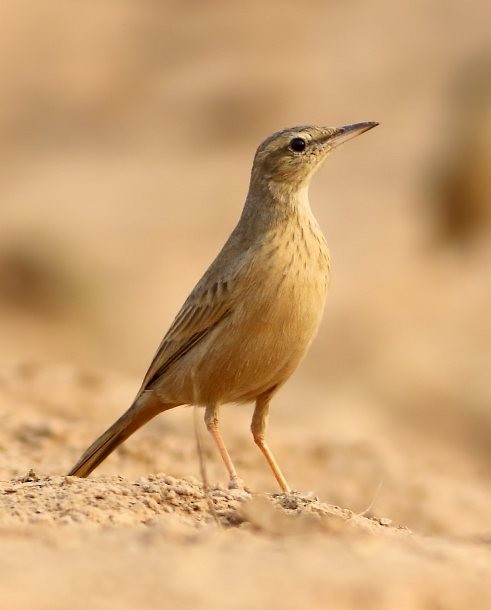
x=211, y=421
x=258, y=428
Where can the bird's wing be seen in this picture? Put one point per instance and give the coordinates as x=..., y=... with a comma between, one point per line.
x=206, y=307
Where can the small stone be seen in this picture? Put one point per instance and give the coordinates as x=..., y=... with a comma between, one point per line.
x=219, y=493
x=239, y=494
x=289, y=503
x=30, y=476
x=183, y=490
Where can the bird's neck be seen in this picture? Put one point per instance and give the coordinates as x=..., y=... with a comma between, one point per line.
x=270, y=204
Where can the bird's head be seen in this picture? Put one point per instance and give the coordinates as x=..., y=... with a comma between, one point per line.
x=292, y=156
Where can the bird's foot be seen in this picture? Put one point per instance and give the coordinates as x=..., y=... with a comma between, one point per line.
x=294, y=499
x=236, y=483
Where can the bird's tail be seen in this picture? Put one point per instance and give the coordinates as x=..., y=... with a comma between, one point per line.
x=140, y=412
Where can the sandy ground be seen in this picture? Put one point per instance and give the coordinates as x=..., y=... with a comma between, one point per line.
x=127, y=131
x=156, y=540
x=164, y=541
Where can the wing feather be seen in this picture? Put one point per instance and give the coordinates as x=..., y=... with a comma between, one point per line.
x=203, y=311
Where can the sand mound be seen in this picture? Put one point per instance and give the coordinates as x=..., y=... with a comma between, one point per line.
x=163, y=542
x=152, y=500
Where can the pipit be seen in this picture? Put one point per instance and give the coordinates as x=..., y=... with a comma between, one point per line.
x=249, y=321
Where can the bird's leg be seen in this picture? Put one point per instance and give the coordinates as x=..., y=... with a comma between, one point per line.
x=211, y=421
x=258, y=428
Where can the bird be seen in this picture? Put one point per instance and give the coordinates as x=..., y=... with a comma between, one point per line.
x=251, y=318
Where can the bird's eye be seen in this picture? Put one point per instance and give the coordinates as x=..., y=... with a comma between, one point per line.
x=298, y=144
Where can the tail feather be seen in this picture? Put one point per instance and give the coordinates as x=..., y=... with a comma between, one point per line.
x=140, y=412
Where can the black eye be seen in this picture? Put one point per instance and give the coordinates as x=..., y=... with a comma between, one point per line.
x=298, y=144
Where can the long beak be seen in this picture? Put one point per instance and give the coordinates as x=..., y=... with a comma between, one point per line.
x=347, y=132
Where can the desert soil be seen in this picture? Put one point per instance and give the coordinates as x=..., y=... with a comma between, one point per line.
x=156, y=540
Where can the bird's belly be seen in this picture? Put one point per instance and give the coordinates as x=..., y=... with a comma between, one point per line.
x=256, y=349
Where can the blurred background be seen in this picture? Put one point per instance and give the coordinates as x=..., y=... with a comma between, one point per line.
x=127, y=131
